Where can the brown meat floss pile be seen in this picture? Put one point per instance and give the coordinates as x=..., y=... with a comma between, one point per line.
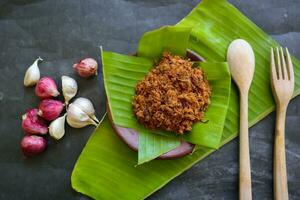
x=172, y=96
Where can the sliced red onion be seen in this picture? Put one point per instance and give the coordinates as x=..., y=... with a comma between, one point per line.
x=33, y=124
x=46, y=88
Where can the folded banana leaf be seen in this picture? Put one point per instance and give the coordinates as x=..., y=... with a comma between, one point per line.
x=105, y=169
x=121, y=74
x=167, y=38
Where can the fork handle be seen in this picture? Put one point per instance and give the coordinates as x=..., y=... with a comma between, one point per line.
x=245, y=191
x=280, y=176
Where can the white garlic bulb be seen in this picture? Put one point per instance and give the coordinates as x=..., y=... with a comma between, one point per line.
x=32, y=75
x=86, y=106
x=69, y=88
x=76, y=118
x=57, y=127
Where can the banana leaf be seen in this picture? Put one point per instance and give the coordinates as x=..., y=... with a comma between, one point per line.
x=167, y=38
x=105, y=169
x=152, y=145
x=121, y=74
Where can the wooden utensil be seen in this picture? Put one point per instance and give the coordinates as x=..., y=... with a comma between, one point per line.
x=241, y=61
x=282, y=81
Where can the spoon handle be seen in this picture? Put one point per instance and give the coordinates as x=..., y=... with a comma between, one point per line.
x=245, y=172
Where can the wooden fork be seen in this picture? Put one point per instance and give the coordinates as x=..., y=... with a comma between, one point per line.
x=282, y=81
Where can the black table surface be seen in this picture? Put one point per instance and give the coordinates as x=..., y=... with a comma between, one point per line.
x=61, y=32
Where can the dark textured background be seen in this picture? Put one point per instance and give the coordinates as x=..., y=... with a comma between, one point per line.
x=61, y=31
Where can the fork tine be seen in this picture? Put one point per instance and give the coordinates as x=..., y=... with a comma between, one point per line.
x=283, y=65
x=289, y=65
x=278, y=64
x=273, y=66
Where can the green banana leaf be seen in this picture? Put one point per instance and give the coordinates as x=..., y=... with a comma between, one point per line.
x=152, y=145
x=121, y=74
x=167, y=38
x=105, y=169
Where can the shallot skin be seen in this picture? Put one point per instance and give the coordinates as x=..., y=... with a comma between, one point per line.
x=32, y=145
x=86, y=67
x=50, y=109
x=46, y=88
x=33, y=124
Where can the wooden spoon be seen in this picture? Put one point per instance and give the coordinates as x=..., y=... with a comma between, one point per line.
x=241, y=61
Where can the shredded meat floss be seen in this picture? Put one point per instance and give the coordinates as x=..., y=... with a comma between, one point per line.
x=173, y=96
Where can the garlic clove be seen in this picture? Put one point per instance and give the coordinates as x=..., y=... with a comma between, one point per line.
x=46, y=88
x=86, y=67
x=69, y=88
x=76, y=118
x=32, y=75
x=57, y=127
x=95, y=118
x=86, y=106
x=79, y=124
x=50, y=109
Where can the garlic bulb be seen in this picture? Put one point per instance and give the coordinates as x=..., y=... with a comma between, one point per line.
x=69, y=88
x=86, y=106
x=76, y=118
x=57, y=127
x=32, y=75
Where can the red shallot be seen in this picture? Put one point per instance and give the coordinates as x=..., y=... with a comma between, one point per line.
x=33, y=124
x=86, y=67
x=50, y=109
x=33, y=145
x=46, y=88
